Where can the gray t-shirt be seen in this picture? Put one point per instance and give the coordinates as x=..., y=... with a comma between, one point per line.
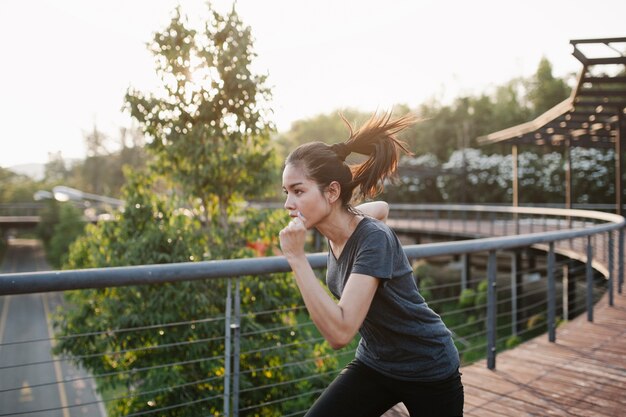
x=401, y=336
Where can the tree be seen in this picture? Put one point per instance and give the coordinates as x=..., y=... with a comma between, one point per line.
x=151, y=362
x=544, y=90
x=327, y=127
x=209, y=138
x=208, y=125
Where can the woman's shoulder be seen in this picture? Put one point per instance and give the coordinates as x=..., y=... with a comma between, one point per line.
x=370, y=228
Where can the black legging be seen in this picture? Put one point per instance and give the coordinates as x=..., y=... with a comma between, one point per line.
x=359, y=391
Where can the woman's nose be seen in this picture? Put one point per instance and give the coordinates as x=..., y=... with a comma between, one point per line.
x=288, y=204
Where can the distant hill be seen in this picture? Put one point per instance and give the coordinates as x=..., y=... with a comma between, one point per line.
x=35, y=171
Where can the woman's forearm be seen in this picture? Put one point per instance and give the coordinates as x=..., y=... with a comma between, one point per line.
x=327, y=315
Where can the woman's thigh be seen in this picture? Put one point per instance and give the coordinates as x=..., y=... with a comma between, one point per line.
x=433, y=399
x=356, y=392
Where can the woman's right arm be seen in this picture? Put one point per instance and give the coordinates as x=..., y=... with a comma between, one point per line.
x=376, y=209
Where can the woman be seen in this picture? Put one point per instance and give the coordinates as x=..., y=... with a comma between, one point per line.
x=406, y=354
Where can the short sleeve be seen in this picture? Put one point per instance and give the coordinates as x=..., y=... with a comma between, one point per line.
x=375, y=255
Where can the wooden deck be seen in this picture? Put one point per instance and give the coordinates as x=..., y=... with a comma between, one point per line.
x=582, y=374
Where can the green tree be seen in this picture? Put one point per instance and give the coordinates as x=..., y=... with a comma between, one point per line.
x=16, y=188
x=208, y=125
x=69, y=226
x=544, y=90
x=210, y=142
x=327, y=127
x=151, y=363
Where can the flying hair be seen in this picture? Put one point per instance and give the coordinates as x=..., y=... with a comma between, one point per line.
x=377, y=138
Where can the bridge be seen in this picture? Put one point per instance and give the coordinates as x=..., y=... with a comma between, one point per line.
x=537, y=291
x=537, y=262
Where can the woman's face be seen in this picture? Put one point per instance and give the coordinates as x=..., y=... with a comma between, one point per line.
x=304, y=196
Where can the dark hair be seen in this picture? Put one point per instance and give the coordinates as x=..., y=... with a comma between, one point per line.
x=376, y=139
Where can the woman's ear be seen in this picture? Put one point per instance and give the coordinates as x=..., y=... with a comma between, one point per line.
x=333, y=191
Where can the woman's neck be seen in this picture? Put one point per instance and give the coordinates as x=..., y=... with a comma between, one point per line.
x=339, y=226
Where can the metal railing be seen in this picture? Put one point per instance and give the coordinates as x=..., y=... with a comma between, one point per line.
x=503, y=290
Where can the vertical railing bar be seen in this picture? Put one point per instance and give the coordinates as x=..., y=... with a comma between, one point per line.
x=551, y=295
x=227, y=346
x=620, y=260
x=236, y=326
x=491, y=311
x=589, y=275
x=514, y=267
x=611, y=264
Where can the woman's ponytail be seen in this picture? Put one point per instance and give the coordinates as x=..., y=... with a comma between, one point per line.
x=376, y=139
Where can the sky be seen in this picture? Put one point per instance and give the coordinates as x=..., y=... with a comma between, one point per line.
x=67, y=64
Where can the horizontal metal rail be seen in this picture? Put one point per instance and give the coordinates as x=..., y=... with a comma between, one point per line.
x=23, y=283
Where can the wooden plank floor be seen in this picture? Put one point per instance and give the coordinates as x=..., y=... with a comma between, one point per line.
x=582, y=374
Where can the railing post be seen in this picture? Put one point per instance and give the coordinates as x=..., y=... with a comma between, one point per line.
x=227, y=345
x=620, y=260
x=611, y=262
x=236, y=348
x=566, y=291
x=551, y=295
x=491, y=311
x=514, y=266
x=589, y=275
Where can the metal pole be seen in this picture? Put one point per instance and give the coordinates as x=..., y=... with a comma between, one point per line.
x=566, y=290
x=620, y=260
x=515, y=160
x=514, y=293
x=551, y=295
x=619, y=165
x=491, y=311
x=611, y=262
x=227, y=344
x=237, y=339
x=589, y=280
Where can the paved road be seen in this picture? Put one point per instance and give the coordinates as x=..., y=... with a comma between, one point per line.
x=32, y=390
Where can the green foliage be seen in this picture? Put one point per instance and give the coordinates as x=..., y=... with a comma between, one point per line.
x=210, y=142
x=545, y=91
x=49, y=218
x=328, y=128
x=536, y=320
x=153, y=230
x=208, y=126
x=467, y=298
x=3, y=248
x=70, y=226
x=513, y=341
x=16, y=188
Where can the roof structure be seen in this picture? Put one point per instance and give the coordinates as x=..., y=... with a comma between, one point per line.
x=594, y=115
x=594, y=112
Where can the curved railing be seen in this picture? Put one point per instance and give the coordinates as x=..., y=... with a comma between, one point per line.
x=504, y=289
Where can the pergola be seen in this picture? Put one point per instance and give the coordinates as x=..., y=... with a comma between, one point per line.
x=593, y=116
